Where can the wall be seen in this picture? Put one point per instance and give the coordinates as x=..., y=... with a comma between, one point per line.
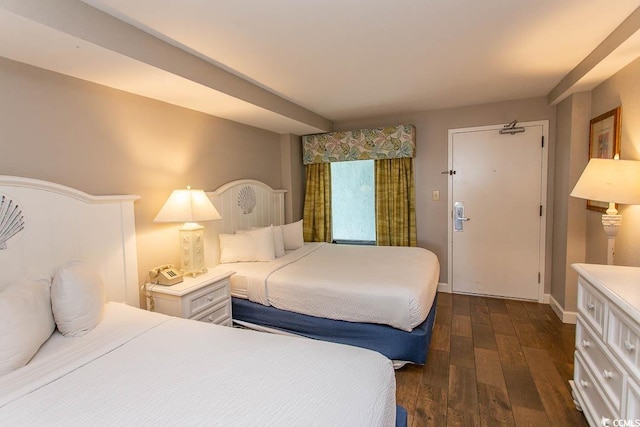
x=432, y=158
x=104, y=141
x=622, y=89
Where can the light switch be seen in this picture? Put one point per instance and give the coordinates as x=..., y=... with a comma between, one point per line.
x=436, y=195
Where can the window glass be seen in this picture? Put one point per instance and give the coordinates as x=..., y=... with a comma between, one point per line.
x=353, y=201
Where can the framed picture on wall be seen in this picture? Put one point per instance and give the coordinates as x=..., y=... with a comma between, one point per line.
x=604, y=143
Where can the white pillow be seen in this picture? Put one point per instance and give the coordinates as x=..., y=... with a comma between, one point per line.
x=77, y=299
x=26, y=322
x=247, y=246
x=278, y=239
x=292, y=234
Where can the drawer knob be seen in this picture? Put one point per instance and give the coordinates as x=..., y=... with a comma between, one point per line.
x=584, y=383
x=591, y=306
x=586, y=343
x=211, y=318
x=628, y=346
x=605, y=422
x=209, y=298
x=607, y=374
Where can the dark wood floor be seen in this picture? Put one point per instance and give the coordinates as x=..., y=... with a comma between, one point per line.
x=492, y=362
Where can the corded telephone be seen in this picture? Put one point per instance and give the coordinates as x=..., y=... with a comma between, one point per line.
x=165, y=275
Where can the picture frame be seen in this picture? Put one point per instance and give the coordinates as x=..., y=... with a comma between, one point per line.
x=604, y=143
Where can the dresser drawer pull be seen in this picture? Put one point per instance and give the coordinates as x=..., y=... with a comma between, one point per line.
x=211, y=318
x=607, y=374
x=605, y=422
x=628, y=346
x=584, y=383
x=586, y=343
x=209, y=298
x=591, y=306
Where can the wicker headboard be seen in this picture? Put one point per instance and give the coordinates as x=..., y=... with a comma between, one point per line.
x=242, y=204
x=57, y=224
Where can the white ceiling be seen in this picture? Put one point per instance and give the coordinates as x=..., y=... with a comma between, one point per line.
x=342, y=60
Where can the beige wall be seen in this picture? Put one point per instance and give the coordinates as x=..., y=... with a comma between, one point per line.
x=104, y=141
x=432, y=158
x=622, y=89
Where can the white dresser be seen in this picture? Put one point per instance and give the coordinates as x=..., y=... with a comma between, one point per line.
x=606, y=380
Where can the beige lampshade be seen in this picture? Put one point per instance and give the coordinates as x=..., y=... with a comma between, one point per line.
x=611, y=181
x=187, y=206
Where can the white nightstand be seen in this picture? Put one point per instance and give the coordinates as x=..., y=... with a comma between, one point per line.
x=205, y=298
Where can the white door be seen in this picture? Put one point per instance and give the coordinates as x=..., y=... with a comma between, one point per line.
x=497, y=191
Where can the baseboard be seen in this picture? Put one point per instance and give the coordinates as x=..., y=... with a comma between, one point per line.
x=565, y=316
x=444, y=287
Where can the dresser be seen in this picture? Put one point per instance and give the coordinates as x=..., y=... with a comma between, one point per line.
x=205, y=298
x=606, y=381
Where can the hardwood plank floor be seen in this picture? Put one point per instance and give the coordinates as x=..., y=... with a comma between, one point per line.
x=492, y=362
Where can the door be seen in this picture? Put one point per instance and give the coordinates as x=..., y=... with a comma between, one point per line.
x=497, y=194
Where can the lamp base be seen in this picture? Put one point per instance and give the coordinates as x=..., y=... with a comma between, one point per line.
x=192, y=250
x=611, y=224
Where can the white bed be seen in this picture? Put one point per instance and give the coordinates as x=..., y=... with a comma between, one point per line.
x=142, y=368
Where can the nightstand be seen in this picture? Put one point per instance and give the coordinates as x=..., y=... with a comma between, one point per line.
x=205, y=298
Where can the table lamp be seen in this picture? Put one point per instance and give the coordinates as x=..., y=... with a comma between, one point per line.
x=611, y=181
x=189, y=206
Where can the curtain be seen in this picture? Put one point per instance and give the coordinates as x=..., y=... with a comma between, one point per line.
x=317, y=203
x=395, y=202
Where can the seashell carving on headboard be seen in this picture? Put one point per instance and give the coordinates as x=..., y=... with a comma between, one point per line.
x=247, y=199
x=12, y=221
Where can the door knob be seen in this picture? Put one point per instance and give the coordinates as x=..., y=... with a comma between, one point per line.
x=458, y=216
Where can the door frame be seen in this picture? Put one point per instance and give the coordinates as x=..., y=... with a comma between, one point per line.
x=543, y=197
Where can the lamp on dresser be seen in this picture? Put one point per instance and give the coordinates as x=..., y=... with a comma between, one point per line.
x=611, y=181
x=190, y=207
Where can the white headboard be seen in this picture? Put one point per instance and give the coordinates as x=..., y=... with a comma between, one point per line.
x=61, y=224
x=243, y=204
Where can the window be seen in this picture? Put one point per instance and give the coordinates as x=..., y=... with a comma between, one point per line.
x=353, y=202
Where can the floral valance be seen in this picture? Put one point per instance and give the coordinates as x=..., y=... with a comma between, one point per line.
x=390, y=142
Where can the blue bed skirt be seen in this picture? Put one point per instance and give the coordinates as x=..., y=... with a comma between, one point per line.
x=393, y=343
x=401, y=416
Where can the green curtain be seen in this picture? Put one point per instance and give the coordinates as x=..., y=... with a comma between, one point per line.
x=395, y=203
x=317, y=203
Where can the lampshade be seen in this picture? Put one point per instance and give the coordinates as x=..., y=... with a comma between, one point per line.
x=611, y=181
x=187, y=206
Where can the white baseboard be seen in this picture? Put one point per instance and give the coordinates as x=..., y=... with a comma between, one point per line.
x=565, y=316
x=444, y=287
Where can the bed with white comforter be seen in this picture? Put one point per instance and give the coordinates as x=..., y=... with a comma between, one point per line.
x=141, y=368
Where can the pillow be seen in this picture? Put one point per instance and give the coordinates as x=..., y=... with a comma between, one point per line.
x=292, y=235
x=77, y=299
x=247, y=246
x=278, y=239
x=26, y=322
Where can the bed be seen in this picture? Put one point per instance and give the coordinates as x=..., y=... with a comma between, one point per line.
x=94, y=362
x=380, y=298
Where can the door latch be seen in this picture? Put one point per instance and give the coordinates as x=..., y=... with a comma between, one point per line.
x=458, y=216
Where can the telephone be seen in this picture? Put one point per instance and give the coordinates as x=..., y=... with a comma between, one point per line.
x=165, y=275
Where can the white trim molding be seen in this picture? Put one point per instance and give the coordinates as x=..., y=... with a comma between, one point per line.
x=566, y=316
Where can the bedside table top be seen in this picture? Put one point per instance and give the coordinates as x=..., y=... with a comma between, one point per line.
x=189, y=284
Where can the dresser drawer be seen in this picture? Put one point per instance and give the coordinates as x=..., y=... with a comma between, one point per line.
x=206, y=298
x=610, y=375
x=591, y=304
x=594, y=405
x=219, y=314
x=623, y=339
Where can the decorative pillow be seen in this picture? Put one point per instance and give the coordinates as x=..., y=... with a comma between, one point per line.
x=292, y=234
x=247, y=246
x=77, y=299
x=26, y=322
x=278, y=239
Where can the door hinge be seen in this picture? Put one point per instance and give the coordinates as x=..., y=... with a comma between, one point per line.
x=539, y=277
x=540, y=210
x=542, y=141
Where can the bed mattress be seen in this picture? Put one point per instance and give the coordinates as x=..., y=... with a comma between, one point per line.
x=395, y=286
x=141, y=368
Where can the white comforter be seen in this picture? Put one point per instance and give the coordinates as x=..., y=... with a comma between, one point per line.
x=139, y=368
x=395, y=286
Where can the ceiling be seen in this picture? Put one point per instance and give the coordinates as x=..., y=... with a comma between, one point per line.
x=293, y=66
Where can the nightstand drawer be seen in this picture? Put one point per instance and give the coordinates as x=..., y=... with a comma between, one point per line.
x=207, y=298
x=603, y=368
x=623, y=339
x=219, y=315
x=591, y=305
